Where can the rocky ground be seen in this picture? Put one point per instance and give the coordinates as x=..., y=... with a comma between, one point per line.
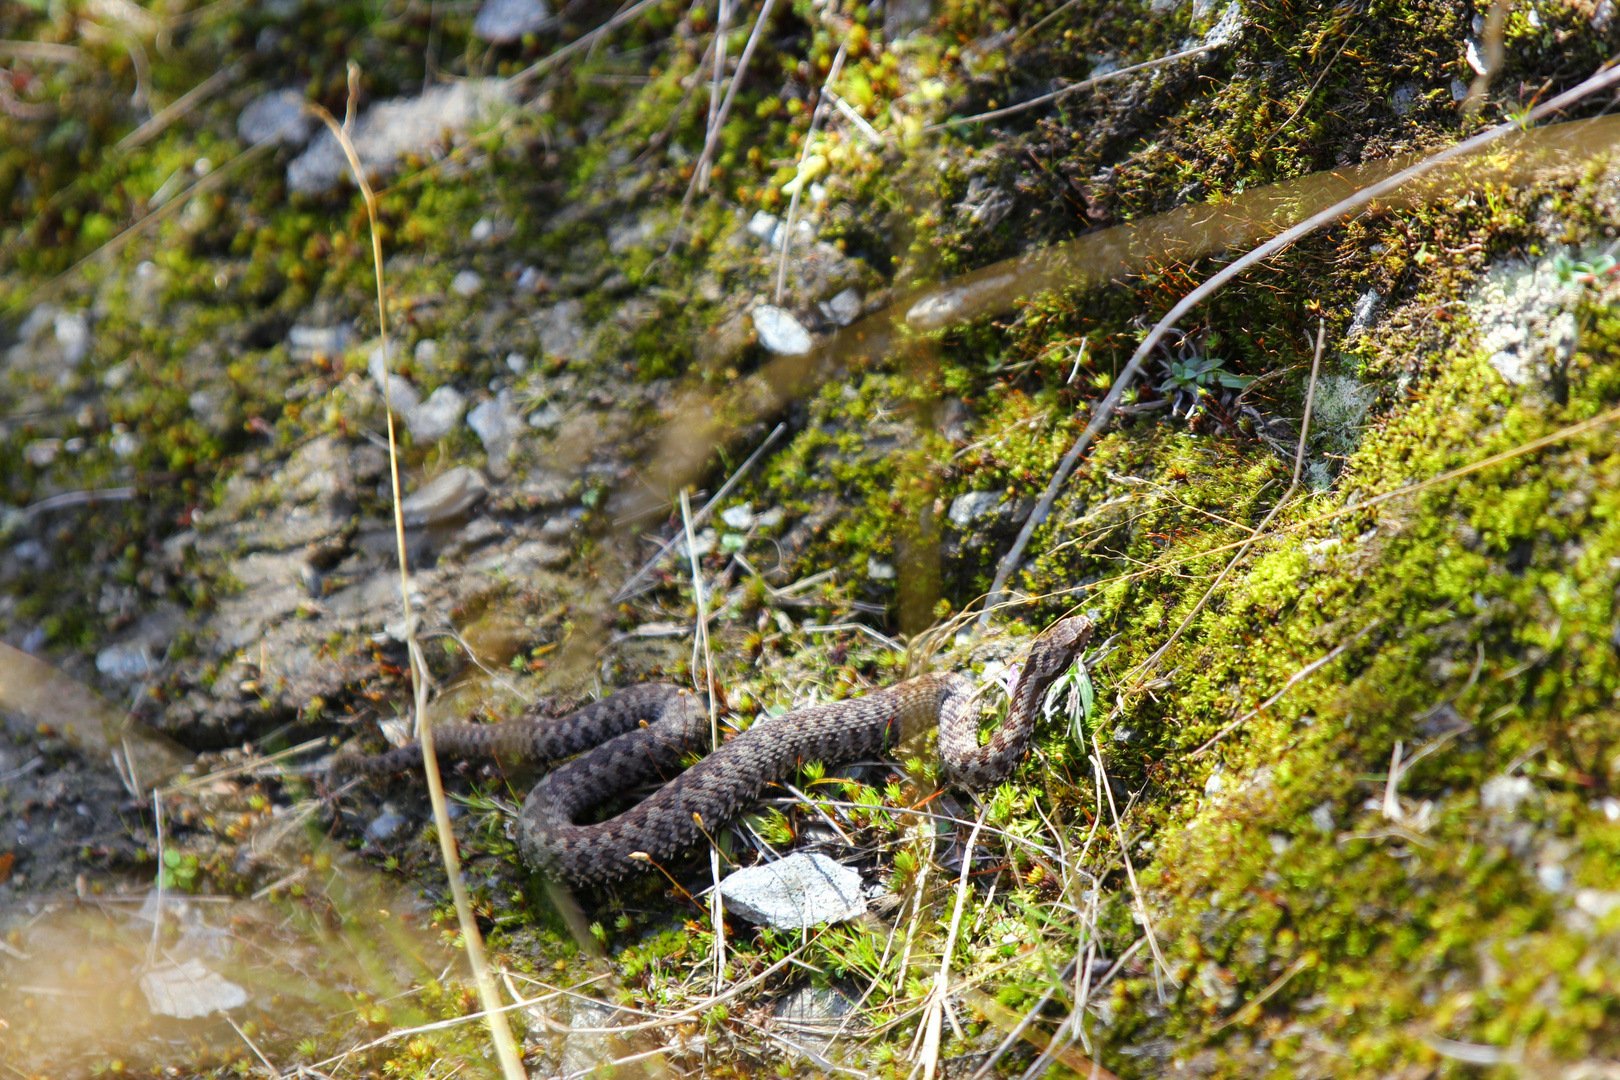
x=1358, y=818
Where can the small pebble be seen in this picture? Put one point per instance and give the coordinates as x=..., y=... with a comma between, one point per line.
x=466, y=283
x=483, y=230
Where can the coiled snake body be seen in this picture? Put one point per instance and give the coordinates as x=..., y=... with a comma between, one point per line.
x=642, y=732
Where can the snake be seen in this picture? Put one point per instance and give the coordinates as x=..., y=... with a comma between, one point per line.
x=643, y=732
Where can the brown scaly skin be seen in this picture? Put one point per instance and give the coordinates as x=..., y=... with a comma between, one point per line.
x=642, y=732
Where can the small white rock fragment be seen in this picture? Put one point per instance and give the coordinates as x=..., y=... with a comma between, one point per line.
x=800, y=891
x=738, y=517
x=505, y=21
x=278, y=117
x=517, y=363
x=426, y=351
x=41, y=453
x=73, y=335
x=482, y=230
x=438, y=416
x=125, y=445
x=968, y=508
x=844, y=308
x=306, y=341
x=1505, y=793
x=763, y=226
x=497, y=424
x=780, y=332
x=189, y=990
x=126, y=662
x=466, y=283
x=880, y=571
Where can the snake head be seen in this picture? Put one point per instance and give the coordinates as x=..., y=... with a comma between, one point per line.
x=1064, y=640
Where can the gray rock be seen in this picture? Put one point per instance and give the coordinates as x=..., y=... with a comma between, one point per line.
x=504, y=21
x=386, y=824
x=844, y=308
x=968, y=508
x=482, y=230
x=445, y=498
x=426, y=351
x=125, y=445
x=799, y=891
x=1503, y=794
x=51, y=340
x=780, y=332
x=126, y=662
x=583, y=1050
x=562, y=330
x=738, y=517
x=189, y=990
x=401, y=395
x=497, y=424
x=278, y=117
x=392, y=129
x=42, y=453
x=467, y=283
x=534, y=554
x=438, y=416
x=879, y=571
x=811, y=1016
x=306, y=341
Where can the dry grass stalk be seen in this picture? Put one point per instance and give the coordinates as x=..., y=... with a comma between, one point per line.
x=816, y=118
x=700, y=646
x=489, y=996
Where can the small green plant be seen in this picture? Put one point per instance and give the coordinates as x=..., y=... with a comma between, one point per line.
x=1582, y=272
x=1201, y=373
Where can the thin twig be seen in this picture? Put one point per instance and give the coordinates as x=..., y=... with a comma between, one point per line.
x=711, y=143
x=546, y=63
x=1602, y=79
x=804, y=155
x=700, y=645
x=702, y=515
x=938, y=1004
x=1162, y=967
x=489, y=996
x=1117, y=73
x=1303, y=673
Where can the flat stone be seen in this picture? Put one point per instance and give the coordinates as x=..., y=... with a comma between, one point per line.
x=126, y=662
x=391, y=129
x=505, y=21
x=780, y=332
x=844, y=308
x=582, y=1049
x=189, y=990
x=799, y=891
x=446, y=497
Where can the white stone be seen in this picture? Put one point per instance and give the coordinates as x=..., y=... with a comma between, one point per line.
x=278, y=117
x=391, y=129
x=497, y=424
x=41, y=453
x=482, y=230
x=438, y=416
x=880, y=571
x=780, y=332
x=517, y=363
x=504, y=21
x=426, y=351
x=125, y=445
x=1505, y=793
x=126, y=662
x=844, y=308
x=968, y=508
x=189, y=990
x=738, y=517
x=466, y=283
x=763, y=226
x=800, y=891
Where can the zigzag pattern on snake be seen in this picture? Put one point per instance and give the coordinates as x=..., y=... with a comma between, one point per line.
x=643, y=731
